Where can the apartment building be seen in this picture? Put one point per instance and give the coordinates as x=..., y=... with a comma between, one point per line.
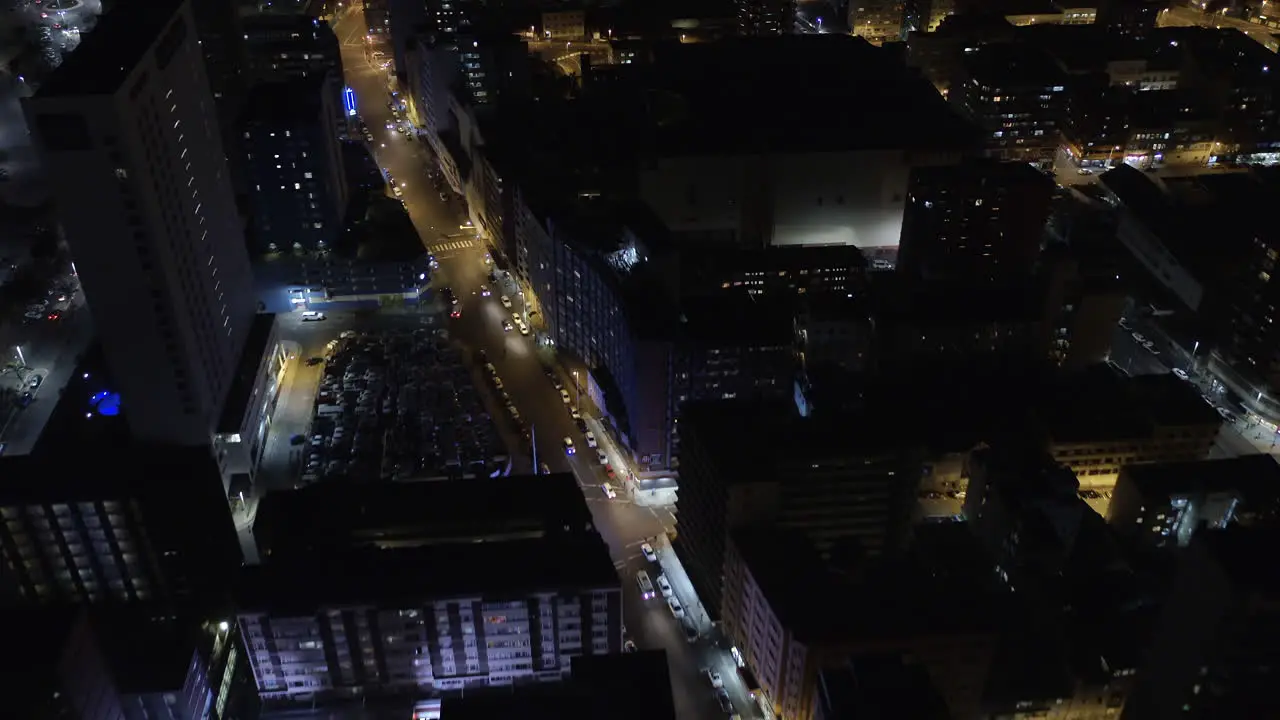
x=1016, y=94
x=129, y=133
x=74, y=533
x=1097, y=423
x=487, y=614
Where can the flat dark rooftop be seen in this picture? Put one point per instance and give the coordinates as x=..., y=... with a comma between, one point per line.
x=290, y=101
x=736, y=320
x=420, y=513
x=407, y=576
x=788, y=570
x=1253, y=475
x=795, y=94
x=147, y=649
x=879, y=687
x=89, y=472
x=596, y=683
x=1012, y=66
x=106, y=56
x=241, y=391
x=1097, y=405
x=1246, y=555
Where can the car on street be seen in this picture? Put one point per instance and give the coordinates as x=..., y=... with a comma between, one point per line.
x=568, y=446
x=713, y=677
x=506, y=326
x=493, y=371
x=1138, y=338
x=690, y=631
x=608, y=491
x=555, y=381
x=1226, y=414
x=26, y=399
x=312, y=316
x=564, y=396
x=629, y=646
x=397, y=191
x=602, y=457
x=647, y=551
x=1182, y=374
x=543, y=469
x=35, y=381
x=664, y=586
x=313, y=361
x=677, y=609
x=591, y=439
x=573, y=413
x=506, y=301
x=524, y=329
x=485, y=291
x=726, y=705
x=456, y=312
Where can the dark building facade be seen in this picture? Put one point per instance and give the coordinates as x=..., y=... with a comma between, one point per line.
x=974, y=221
x=298, y=189
x=766, y=17
x=285, y=47
x=838, y=481
x=73, y=533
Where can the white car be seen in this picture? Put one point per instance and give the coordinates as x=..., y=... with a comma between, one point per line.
x=564, y=396
x=664, y=586
x=568, y=447
x=397, y=191
x=591, y=439
x=506, y=301
x=524, y=329
x=609, y=492
x=677, y=609
x=604, y=459
x=1182, y=374
x=713, y=677
x=312, y=316
x=573, y=413
x=647, y=551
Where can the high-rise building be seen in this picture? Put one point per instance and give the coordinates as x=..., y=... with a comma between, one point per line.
x=284, y=47
x=766, y=17
x=877, y=21
x=297, y=189
x=129, y=133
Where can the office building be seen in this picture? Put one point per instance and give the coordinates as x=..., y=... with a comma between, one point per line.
x=1212, y=653
x=377, y=18
x=791, y=618
x=838, y=480
x=974, y=221
x=1129, y=18
x=1083, y=301
x=487, y=614
x=125, y=524
x=139, y=661
x=331, y=517
x=766, y=17
x=129, y=134
x=732, y=346
x=1016, y=94
x=410, y=19
x=1164, y=504
x=287, y=47
x=298, y=188
x=782, y=272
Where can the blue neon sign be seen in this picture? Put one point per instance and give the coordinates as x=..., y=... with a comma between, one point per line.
x=349, y=101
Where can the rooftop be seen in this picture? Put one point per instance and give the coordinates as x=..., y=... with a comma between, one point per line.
x=94, y=472
x=736, y=320
x=1097, y=404
x=1013, y=66
x=123, y=36
x=1244, y=554
x=397, y=578
x=1256, y=476
x=591, y=692
x=711, y=97
x=147, y=649
x=296, y=101
x=339, y=515
x=879, y=687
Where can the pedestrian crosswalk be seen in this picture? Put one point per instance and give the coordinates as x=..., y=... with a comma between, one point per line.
x=453, y=245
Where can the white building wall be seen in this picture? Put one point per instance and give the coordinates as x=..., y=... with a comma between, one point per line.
x=839, y=198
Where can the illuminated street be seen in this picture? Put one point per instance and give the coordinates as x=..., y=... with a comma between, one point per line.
x=1189, y=17
x=622, y=523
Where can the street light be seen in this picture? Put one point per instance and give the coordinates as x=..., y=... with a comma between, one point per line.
x=577, y=389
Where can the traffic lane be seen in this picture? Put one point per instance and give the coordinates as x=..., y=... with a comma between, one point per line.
x=1134, y=359
x=653, y=627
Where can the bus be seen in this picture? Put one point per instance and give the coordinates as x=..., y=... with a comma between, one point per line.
x=646, y=587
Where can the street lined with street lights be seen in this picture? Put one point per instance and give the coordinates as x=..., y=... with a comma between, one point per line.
x=522, y=367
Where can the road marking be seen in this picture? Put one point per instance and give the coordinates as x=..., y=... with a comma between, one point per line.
x=455, y=245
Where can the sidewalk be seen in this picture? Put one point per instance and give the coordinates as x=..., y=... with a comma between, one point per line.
x=681, y=585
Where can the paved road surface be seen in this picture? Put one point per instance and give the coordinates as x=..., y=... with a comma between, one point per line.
x=622, y=523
